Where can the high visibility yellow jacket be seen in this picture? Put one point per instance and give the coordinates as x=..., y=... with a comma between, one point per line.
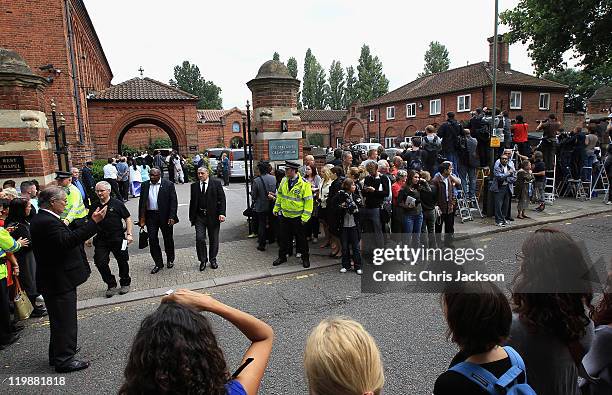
x=7, y=244
x=74, y=206
x=295, y=202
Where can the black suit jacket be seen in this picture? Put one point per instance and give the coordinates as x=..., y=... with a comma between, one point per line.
x=215, y=200
x=167, y=202
x=88, y=179
x=59, y=263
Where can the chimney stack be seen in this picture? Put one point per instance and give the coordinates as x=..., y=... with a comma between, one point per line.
x=503, y=47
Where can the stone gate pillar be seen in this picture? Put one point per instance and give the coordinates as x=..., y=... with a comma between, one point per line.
x=25, y=153
x=276, y=130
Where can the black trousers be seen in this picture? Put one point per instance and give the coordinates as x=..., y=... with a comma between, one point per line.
x=124, y=188
x=171, y=173
x=63, y=324
x=264, y=225
x=288, y=229
x=5, y=314
x=102, y=251
x=114, y=187
x=153, y=223
x=449, y=223
x=202, y=226
x=75, y=224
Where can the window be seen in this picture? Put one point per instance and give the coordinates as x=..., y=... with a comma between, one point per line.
x=544, y=101
x=390, y=112
x=373, y=140
x=435, y=107
x=236, y=127
x=464, y=102
x=339, y=141
x=516, y=99
x=410, y=110
x=372, y=116
x=389, y=142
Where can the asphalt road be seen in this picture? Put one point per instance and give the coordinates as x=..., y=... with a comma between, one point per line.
x=409, y=328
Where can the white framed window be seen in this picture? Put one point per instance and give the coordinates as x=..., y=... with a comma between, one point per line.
x=373, y=140
x=464, y=102
x=372, y=115
x=389, y=142
x=391, y=112
x=410, y=110
x=544, y=101
x=339, y=141
x=516, y=100
x=435, y=107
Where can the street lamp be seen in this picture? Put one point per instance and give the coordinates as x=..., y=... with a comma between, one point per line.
x=246, y=147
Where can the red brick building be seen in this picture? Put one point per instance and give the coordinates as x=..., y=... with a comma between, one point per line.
x=410, y=108
x=601, y=102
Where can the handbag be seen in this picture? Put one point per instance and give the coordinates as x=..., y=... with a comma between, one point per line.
x=143, y=239
x=23, y=306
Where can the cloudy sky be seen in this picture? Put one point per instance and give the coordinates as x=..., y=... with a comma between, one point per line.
x=229, y=40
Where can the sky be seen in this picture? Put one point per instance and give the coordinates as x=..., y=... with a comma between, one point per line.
x=230, y=40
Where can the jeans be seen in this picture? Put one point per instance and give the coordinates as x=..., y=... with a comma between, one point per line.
x=412, y=229
x=587, y=174
x=468, y=177
x=502, y=201
x=454, y=159
x=370, y=222
x=349, y=239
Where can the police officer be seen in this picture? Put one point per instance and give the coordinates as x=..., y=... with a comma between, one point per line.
x=75, y=212
x=293, y=207
x=112, y=237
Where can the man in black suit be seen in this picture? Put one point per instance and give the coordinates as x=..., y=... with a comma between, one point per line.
x=206, y=212
x=157, y=210
x=60, y=269
x=88, y=181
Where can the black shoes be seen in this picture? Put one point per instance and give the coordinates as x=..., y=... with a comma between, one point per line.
x=213, y=265
x=38, y=312
x=170, y=265
x=9, y=341
x=261, y=248
x=202, y=266
x=73, y=366
x=156, y=269
x=509, y=219
x=306, y=262
x=278, y=261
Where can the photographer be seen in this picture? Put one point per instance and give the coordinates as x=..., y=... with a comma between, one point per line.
x=347, y=202
x=565, y=151
x=480, y=129
x=409, y=198
x=549, y=127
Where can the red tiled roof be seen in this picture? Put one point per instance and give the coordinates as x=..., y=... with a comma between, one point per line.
x=143, y=89
x=322, y=115
x=205, y=116
x=602, y=93
x=461, y=79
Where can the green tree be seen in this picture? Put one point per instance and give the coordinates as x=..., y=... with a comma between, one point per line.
x=350, y=92
x=554, y=27
x=187, y=77
x=372, y=81
x=336, y=86
x=436, y=59
x=276, y=56
x=314, y=88
x=581, y=86
x=293, y=71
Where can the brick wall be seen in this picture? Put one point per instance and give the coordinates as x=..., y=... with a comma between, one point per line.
x=142, y=136
x=38, y=32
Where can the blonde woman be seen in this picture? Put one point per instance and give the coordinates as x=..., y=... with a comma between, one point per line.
x=341, y=358
x=327, y=178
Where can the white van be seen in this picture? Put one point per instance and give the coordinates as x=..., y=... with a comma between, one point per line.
x=237, y=162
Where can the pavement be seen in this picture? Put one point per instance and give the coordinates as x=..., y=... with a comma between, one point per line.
x=409, y=328
x=239, y=260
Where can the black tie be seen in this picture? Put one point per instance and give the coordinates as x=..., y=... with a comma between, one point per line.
x=204, y=188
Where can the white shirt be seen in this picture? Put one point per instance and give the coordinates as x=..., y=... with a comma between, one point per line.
x=446, y=181
x=153, y=191
x=110, y=171
x=51, y=212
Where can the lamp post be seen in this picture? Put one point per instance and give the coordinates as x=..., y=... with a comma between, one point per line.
x=246, y=165
x=494, y=88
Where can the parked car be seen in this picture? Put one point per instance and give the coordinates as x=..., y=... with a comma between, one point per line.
x=365, y=147
x=237, y=162
x=214, y=155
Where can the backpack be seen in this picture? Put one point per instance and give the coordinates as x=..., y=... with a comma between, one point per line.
x=507, y=384
x=434, y=146
x=415, y=161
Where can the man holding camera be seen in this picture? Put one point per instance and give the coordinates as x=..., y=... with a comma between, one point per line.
x=549, y=127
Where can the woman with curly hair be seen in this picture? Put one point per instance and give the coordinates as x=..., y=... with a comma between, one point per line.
x=176, y=351
x=598, y=361
x=551, y=328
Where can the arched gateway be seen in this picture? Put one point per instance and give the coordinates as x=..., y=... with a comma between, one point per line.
x=139, y=101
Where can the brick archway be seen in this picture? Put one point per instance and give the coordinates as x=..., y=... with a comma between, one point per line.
x=122, y=126
x=354, y=130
